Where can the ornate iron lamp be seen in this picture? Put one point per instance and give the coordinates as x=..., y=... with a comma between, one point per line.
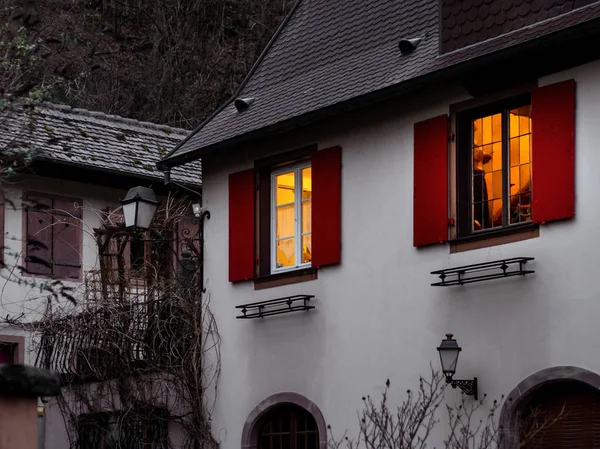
x=449, y=352
x=139, y=207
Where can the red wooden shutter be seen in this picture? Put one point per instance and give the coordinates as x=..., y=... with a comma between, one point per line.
x=38, y=258
x=430, y=196
x=241, y=225
x=67, y=239
x=553, y=151
x=326, y=206
x=1, y=228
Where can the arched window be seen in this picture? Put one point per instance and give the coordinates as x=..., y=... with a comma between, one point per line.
x=569, y=412
x=288, y=426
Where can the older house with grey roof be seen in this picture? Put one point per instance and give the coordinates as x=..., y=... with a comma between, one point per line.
x=392, y=171
x=84, y=162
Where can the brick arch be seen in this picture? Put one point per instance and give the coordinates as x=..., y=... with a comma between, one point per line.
x=251, y=429
x=509, y=417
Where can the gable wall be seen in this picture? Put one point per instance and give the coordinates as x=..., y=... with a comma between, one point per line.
x=376, y=315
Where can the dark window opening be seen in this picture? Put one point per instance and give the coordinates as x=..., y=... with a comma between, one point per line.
x=494, y=167
x=288, y=427
x=7, y=353
x=137, y=255
x=122, y=431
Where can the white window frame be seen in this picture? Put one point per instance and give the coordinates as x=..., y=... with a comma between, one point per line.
x=297, y=169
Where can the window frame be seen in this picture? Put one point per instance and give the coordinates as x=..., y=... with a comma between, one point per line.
x=25, y=232
x=297, y=168
x=263, y=168
x=464, y=166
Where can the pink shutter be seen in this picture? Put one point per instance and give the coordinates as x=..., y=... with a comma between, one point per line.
x=430, y=196
x=553, y=152
x=68, y=238
x=326, y=206
x=38, y=258
x=241, y=225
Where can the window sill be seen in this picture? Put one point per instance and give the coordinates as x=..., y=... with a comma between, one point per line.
x=494, y=238
x=286, y=278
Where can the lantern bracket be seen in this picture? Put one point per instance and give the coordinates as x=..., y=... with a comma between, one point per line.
x=468, y=387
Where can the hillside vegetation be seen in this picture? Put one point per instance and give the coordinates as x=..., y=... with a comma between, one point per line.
x=165, y=61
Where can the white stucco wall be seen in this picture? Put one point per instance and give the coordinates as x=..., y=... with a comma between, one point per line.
x=376, y=314
x=16, y=299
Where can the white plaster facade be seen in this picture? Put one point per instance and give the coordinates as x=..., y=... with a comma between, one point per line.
x=376, y=315
x=17, y=299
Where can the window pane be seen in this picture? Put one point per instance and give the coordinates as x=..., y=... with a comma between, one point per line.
x=487, y=130
x=496, y=188
x=306, y=248
x=514, y=180
x=306, y=183
x=285, y=188
x=306, y=216
x=497, y=128
x=497, y=156
x=285, y=253
x=524, y=175
x=496, y=213
x=525, y=154
x=286, y=222
x=514, y=151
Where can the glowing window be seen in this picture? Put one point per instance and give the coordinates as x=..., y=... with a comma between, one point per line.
x=495, y=149
x=291, y=201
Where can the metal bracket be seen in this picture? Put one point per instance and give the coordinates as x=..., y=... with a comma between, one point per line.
x=468, y=387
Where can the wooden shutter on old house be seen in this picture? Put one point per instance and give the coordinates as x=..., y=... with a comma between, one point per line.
x=430, y=195
x=67, y=239
x=39, y=235
x=553, y=151
x=326, y=206
x=241, y=225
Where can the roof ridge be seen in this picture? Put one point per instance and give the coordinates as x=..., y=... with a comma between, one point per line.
x=242, y=84
x=82, y=113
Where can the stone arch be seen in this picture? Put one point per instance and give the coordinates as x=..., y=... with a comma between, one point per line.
x=251, y=427
x=509, y=417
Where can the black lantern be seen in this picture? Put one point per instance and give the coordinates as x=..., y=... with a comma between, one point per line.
x=139, y=207
x=449, y=352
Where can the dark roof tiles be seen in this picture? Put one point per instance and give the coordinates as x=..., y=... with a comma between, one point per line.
x=95, y=140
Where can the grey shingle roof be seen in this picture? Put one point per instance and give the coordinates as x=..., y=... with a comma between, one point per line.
x=96, y=141
x=335, y=52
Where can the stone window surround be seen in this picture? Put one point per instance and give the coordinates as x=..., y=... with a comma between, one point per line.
x=250, y=431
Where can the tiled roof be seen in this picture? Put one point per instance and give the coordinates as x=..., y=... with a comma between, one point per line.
x=96, y=141
x=335, y=53
x=466, y=22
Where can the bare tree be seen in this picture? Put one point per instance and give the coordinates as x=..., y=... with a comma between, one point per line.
x=410, y=424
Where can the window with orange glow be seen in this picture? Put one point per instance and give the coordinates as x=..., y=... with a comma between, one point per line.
x=291, y=217
x=497, y=194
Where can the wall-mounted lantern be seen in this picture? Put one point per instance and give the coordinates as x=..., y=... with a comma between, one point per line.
x=139, y=207
x=449, y=352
